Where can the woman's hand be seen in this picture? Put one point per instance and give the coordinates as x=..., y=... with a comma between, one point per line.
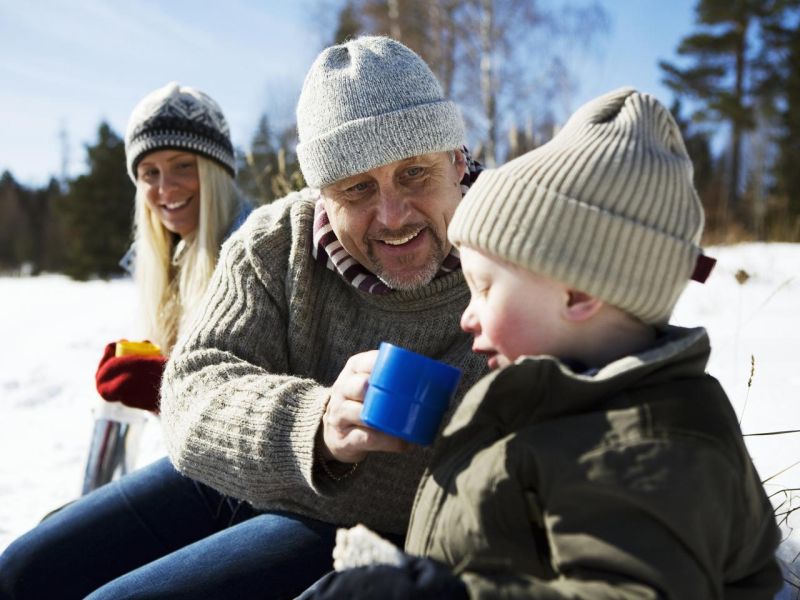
x=133, y=380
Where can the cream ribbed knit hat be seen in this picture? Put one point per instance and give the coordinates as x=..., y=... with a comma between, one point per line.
x=607, y=206
x=367, y=103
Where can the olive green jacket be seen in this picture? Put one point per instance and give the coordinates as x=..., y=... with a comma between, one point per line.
x=632, y=483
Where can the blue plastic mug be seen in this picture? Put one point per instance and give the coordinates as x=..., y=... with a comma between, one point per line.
x=408, y=394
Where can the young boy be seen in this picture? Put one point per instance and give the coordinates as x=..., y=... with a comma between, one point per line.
x=598, y=459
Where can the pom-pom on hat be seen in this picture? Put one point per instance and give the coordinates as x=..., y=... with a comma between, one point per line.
x=178, y=117
x=369, y=102
x=607, y=206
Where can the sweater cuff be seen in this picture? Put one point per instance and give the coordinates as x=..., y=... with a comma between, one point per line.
x=306, y=433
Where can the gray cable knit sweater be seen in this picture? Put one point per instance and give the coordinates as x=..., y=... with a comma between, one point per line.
x=245, y=389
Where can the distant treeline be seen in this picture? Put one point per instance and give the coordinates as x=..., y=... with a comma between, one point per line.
x=82, y=227
x=736, y=79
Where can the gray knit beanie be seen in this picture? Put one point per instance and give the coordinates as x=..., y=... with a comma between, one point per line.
x=607, y=206
x=178, y=117
x=367, y=103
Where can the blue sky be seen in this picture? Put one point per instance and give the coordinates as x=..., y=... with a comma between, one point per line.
x=70, y=65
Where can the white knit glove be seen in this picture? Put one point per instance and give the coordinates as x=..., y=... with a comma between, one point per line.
x=360, y=547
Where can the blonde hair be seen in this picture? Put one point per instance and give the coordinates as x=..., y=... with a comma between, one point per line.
x=171, y=286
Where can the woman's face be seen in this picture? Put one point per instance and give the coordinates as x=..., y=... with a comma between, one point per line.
x=171, y=185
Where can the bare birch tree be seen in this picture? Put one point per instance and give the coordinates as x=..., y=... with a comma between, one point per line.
x=504, y=61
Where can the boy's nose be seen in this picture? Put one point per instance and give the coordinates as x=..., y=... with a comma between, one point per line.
x=469, y=321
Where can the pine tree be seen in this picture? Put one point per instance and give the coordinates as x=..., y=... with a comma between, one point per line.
x=789, y=144
x=14, y=236
x=36, y=205
x=348, y=23
x=29, y=231
x=97, y=211
x=698, y=146
x=781, y=61
x=720, y=74
x=268, y=170
x=51, y=232
x=706, y=170
x=256, y=164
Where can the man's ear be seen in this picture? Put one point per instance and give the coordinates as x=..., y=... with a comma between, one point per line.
x=461, y=164
x=581, y=306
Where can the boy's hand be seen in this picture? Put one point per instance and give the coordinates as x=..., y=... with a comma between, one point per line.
x=419, y=579
x=347, y=439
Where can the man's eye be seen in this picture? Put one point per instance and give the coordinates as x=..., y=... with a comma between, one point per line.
x=357, y=191
x=414, y=176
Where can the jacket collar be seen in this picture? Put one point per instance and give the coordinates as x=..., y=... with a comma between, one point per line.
x=537, y=389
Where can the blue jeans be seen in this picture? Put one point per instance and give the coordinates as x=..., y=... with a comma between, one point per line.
x=157, y=534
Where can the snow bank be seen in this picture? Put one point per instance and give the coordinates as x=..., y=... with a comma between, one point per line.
x=54, y=330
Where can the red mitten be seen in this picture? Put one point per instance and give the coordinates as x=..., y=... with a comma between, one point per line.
x=134, y=380
x=110, y=351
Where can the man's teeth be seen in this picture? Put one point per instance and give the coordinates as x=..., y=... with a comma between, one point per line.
x=400, y=241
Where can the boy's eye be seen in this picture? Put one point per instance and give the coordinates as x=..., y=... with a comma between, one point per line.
x=477, y=288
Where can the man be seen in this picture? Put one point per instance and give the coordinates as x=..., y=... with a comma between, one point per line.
x=261, y=399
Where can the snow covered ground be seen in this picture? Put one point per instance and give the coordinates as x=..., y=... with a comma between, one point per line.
x=52, y=332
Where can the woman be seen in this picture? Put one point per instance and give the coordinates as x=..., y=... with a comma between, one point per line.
x=179, y=155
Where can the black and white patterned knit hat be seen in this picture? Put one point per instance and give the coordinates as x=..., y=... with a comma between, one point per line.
x=179, y=118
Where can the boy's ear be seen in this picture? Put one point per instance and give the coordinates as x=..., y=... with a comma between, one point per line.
x=581, y=306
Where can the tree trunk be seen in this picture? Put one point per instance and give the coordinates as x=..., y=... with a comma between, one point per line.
x=488, y=91
x=736, y=150
x=395, y=31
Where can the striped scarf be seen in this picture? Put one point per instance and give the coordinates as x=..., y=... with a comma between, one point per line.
x=329, y=250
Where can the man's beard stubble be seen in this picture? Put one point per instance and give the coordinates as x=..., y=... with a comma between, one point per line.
x=423, y=276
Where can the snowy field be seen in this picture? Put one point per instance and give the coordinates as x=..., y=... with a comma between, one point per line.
x=53, y=331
